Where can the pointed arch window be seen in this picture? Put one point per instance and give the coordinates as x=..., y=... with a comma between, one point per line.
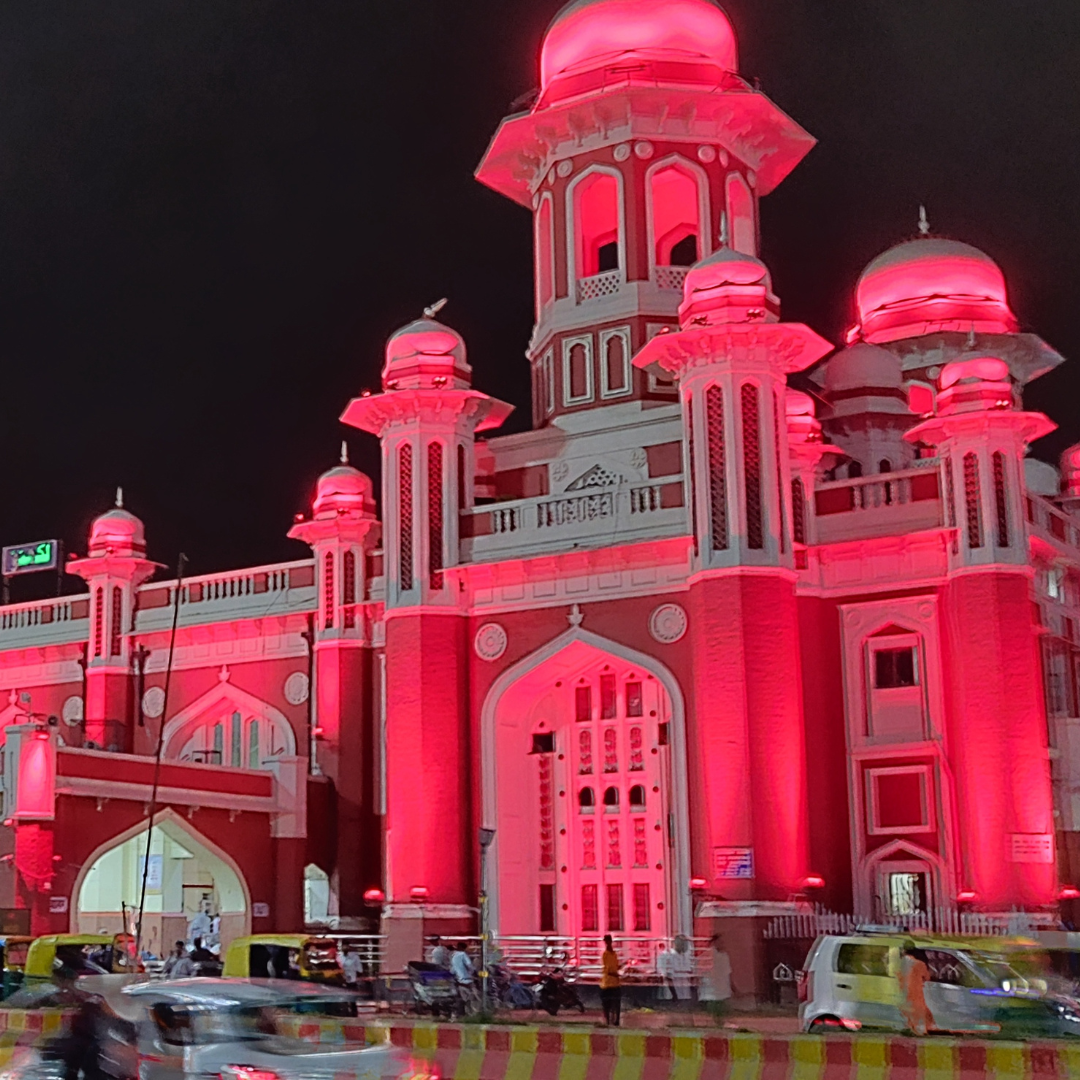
x=348, y=587
x=615, y=362
x=1001, y=502
x=751, y=433
x=714, y=423
x=596, y=224
x=675, y=203
x=973, y=501
x=116, y=635
x=328, y=590
x=405, y=512
x=435, y=515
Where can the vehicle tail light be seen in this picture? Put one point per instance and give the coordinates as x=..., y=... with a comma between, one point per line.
x=805, y=985
x=247, y=1072
x=419, y=1069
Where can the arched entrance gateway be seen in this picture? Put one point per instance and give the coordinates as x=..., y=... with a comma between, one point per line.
x=585, y=784
x=187, y=873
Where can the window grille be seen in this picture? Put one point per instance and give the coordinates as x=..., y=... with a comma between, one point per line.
x=590, y=909
x=641, y=907
x=99, y=621
x=405, y=510
x=435, y=515
x=972, y=500
x=614, y=850
x=714, y=424
x=328, y=589
x=117, y=625
x=608, y=699
x=776, y=412
x=547, y=815
x=583, y=703
x=462, y=500
x=614, y=909
x=798, y=510
x=348, y=588
x=588, y=844
x=585, y=753
x=691, y=470
x=547, y=909
x=641, y=851
x=1000, y=501
x=751, y=433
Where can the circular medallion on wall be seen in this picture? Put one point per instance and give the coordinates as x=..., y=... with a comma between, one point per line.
x=667, y=623
x=297, y=687
x=706, y=153
x=644, y=149
x=564, y=168
x=72, y=712
x=153, y=702
x=622, y=151
x=490, y=641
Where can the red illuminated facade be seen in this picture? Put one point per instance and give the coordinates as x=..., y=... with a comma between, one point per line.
x=743, y=609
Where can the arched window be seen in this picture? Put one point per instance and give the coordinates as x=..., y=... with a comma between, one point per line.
x=596, y=224
x=751, y=432
x=615, y=356
x=233, y=737
x=586, y=800
x=637, y=797
x=740, y=211
x=348, y=587
x=328, y=590
x=545, y=254
x=972, y=500
x=577, y=370
x=611, y=798
x=884, y=465
x=675, y=203
x=854, y=470
x=1001, y=504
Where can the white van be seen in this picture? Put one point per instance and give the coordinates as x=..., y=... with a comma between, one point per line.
x=853, y=982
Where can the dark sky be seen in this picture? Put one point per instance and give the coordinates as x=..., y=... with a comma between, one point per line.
x=212, y=215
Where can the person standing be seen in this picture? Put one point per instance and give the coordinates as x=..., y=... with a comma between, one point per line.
x=716, y=984
x=351, y=967
x=439, y=954
x=179, y=965
x=610, y=984
x=914, y=975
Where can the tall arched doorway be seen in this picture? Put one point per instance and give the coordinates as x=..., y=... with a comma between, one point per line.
x=186, y=873
x=585, y=785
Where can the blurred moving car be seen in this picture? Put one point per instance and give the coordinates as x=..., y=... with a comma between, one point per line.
x=853, y=982
x=191, y=1029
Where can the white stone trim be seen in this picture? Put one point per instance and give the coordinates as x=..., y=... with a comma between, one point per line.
x=623, y=333
x=590, y=390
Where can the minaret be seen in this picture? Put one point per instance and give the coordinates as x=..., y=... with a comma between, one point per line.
x=115, y=567
x=642, y=137
x=342, y=532
x=426, y=419
x=730, y=360
x=997, y=734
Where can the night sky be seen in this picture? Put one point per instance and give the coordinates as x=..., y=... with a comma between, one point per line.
x=213, y=214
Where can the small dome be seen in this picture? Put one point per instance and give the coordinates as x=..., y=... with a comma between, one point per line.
x=342, y=490
x=692, y=39
x=929, y=284
x=117, y=532
x=727, y=286
x=862, y=367
x=425, y=353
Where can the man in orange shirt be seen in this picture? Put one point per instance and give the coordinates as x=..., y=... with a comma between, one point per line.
x=610, y=984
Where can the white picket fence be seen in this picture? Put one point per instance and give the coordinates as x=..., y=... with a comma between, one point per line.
x=807, y=925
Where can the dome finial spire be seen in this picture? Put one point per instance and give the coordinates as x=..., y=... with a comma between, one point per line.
x=434, y=309
x=119, y=498
x=924, y=223
x=344, y=452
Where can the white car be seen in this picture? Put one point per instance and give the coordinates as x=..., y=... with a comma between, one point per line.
x=853, y=982
x=202, y=1028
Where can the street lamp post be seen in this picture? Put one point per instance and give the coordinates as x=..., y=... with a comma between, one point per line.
x=486, y=836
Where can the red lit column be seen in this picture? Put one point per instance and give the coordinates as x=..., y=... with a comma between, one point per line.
x=426, y=419
x=996, y=721
x=746, y=729
x=114, y=569
x=342, y=532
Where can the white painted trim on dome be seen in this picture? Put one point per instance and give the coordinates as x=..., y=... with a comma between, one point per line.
x=678, y=796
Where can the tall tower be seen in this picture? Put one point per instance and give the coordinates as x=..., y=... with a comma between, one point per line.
x=426, y=419
x=730, y=361
x=342, y=532
x=115, y=567
x=641, y=140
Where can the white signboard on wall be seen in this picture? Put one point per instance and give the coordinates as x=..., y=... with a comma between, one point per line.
x=58, y=905
x=1032, y=847
x=733, y=863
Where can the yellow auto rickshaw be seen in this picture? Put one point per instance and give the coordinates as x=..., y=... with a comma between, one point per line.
x=82, y=954
x=284, y=956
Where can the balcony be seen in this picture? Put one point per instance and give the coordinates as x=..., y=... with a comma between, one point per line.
x=280, y=589
x=602, y=517
x=44, y=622
x=888, y=504
x=670, y=277
x=599, y=285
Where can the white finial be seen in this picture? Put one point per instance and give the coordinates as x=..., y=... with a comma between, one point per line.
x=924, y=224
x=431, y=312
x=724, y=238
x=119, y=498
x=971, y=338
x=575, y=618
x=344, y=452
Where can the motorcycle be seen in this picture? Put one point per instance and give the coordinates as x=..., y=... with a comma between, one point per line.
x=554, y=992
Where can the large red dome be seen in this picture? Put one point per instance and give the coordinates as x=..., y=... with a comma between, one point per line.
x=591, y=34
x=927, y=285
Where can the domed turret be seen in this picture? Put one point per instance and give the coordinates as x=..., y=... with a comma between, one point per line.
x=728, y=287
x=117, y=532
x=929, y=284
x=344, y=490
x=425, y=354
x=685, y=41
x=975, y=384
x=862, y=367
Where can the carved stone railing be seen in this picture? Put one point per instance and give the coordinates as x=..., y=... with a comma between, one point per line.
x=670, y=277
x=592, y=518
x=44, y=622
x=882, y=505
x=599, y=285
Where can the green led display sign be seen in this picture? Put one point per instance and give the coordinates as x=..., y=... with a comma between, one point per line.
x=27, y=558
